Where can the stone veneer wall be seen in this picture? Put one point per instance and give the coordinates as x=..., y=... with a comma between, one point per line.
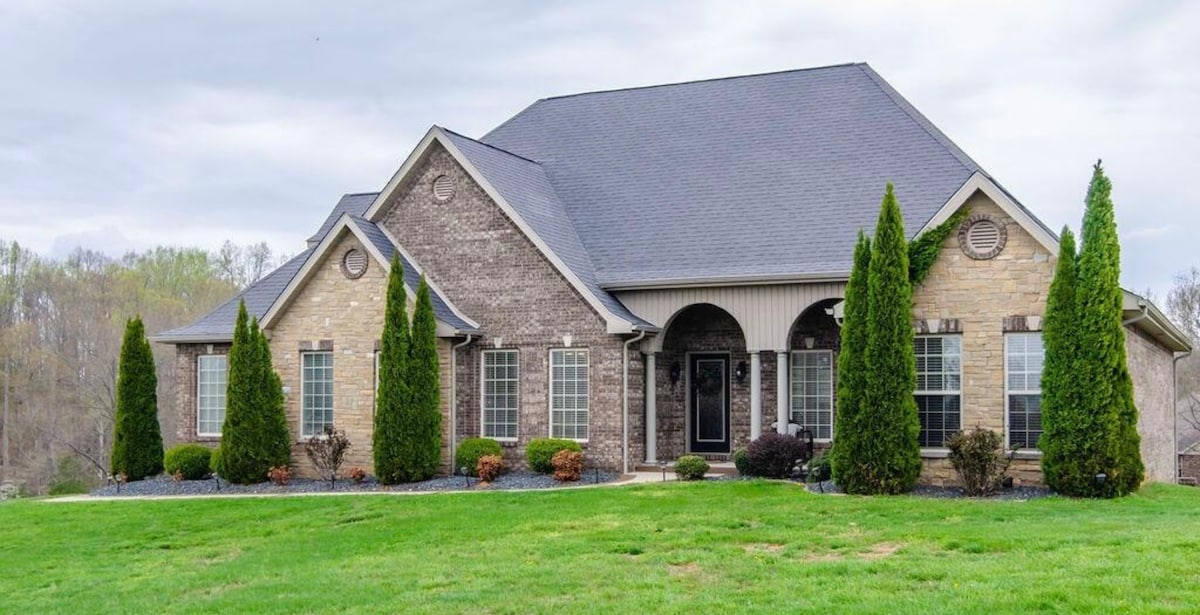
x=981, y=294
x=333, y=309
x=1153, y=370
x=486, y=266
x=185, y=387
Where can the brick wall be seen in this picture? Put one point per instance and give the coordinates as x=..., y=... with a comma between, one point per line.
x=1153, y=371
x=1189, y=467
x=493, y=273
x=185, y=387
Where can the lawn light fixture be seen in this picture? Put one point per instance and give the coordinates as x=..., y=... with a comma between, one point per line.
x=740, y=372
x=662, y=465
x=675, y=372
x=466, y=476
x=1101, y=478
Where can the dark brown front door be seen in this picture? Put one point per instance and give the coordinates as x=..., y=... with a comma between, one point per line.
x=709, y=406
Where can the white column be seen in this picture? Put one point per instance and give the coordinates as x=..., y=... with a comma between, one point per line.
x=781, y=391
x=651, y=411
x=755, y=395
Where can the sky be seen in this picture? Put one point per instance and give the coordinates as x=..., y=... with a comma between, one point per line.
x=134, y=124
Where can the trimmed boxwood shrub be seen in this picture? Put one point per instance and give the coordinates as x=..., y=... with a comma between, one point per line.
x=691, y=467
x=540, y=452
x=193, y=461
x=741, y=461
x=470, y=450
x=773, y=455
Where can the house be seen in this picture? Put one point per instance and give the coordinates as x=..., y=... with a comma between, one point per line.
x=657, y=271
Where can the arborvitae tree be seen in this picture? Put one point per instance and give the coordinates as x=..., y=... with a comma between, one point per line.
x=1066, y=426
x=1105, y=386
x=137, y=438
x=889, y=421
x=425, y=433
x=848, y=445
x=254, y=437
x=393, y=396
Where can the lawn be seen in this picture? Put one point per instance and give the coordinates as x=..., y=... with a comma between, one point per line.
x=734, y=547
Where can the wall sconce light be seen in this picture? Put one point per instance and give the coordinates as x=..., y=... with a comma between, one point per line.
x=740, y=372
x=675, y=372
x=809, y=341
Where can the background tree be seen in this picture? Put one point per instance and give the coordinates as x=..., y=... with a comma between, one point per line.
x=425, y=387
x=1065, y=423
x=889, y=420
x=848, y=446
x=393, y=398
x=137, y=439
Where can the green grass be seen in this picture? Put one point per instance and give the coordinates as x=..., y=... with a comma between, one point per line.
x=676, y=548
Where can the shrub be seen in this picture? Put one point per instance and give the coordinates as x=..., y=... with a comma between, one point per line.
x=391, y=406
x=691, y=467
x=327, y=452
x=357, y=474
x=741, y=461
x=540, y=452
x=979, y=458
x=70, y=477
x=424, y=430
x=214, y=462
x=192, y=461
x=68, y=487
x=137, y=448
x=280, y=475
x=255, y=435
x=489, y=467
x=470, y=450
x=820, y=468
x=773, y=455
x=567, y=464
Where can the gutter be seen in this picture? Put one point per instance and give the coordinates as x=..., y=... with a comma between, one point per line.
x=625, y=401
x=706, y=282
x=1143, y=316
x=454, y=397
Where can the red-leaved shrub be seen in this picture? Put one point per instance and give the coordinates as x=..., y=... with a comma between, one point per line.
x=568, y=465
x=489, y=467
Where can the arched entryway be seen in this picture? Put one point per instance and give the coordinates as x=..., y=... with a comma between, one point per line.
x=702, y=396
x=813, y=343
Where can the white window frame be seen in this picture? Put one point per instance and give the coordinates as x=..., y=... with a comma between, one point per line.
x=200, y=393
x=944, y=392
x=483, y=380
x=1008, y=337
x=792, y=395
x=303, y=395
x=550, y=391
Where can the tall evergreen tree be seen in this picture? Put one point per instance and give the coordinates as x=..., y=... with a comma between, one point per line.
x=393, y=397
x=889, y=419
x=254, y=437
x=848, y=445
x=1066, y=426
x=137, y=438
x=425, y=436
x=1106, y=387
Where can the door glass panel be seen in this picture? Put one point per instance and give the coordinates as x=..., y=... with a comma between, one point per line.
x=710, y=400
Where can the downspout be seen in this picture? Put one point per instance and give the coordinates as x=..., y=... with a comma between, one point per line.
x=1143, y=316
x=454, y=398
x=1175, y=408
x=625, y=402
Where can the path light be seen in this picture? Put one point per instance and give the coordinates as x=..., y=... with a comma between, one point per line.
x=1101, y=478
x=662, y=465
x=466, y=476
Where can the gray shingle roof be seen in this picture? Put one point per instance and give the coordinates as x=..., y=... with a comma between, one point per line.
x=523, y=183
x=353, y=204
x=753, y=176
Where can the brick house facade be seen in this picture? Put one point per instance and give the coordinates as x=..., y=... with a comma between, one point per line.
x=617, y=325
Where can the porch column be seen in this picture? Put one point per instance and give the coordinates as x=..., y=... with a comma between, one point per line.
x=781, y=391
x=755, y=395
x=651, y=410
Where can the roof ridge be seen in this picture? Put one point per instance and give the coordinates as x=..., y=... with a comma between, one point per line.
x=706, y=80
x=489, y=145
x=920, y=120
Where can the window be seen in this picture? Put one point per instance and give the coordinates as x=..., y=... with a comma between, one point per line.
x=812, y=392
x=569, y=394
x=316, y=392
x=1024, y=356
x=212, y=377
x=939, y=387
x=500, y=377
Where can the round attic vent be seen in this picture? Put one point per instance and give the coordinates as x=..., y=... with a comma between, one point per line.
x=982, y=237
x=354, y=263
x=443, y=187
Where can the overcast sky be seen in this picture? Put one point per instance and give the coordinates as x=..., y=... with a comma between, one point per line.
x=127, y=125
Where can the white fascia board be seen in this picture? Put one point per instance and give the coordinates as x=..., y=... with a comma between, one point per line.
x=614, y=324
x=982, y=183
x=344, y=223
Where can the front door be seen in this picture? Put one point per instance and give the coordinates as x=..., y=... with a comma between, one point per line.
x=709, y=407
